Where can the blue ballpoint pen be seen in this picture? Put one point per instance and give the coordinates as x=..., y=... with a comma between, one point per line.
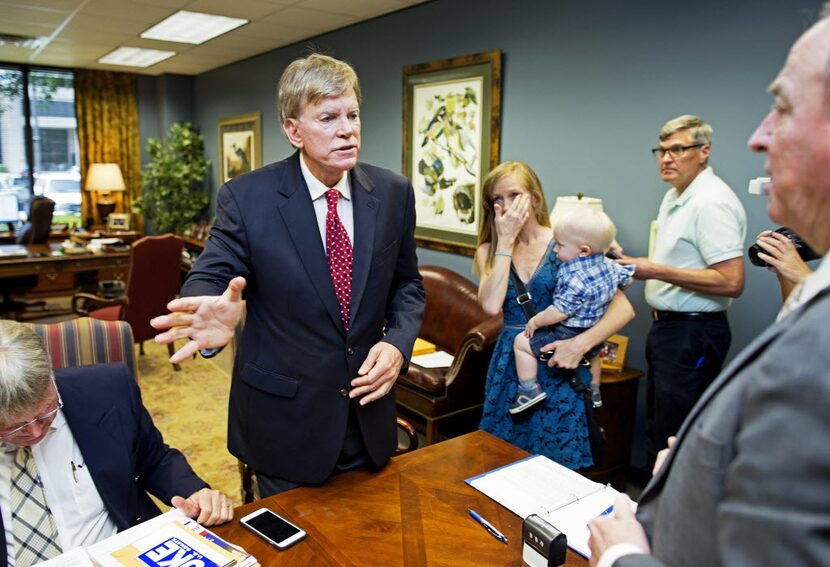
x=487, y=526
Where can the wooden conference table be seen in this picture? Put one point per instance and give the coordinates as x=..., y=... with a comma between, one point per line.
x=412, y=513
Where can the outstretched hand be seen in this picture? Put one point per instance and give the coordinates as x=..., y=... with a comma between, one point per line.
x=208, y=321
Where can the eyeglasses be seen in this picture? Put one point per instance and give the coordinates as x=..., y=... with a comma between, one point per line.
x=9, y=433
x=674, y=151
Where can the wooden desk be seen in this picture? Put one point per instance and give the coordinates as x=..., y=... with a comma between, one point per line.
x=41, y=261
x=413, y=512
x=57, y=274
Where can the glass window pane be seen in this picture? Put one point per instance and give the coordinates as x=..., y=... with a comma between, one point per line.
x=14, y=174
x=55, y=140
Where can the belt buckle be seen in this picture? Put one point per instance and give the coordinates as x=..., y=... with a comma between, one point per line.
x=655, y=315
x=523, y=298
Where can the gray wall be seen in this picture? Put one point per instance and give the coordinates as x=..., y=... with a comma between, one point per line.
x=586, y=86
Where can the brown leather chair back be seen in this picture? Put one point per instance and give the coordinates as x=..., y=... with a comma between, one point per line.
x=455, y=322
x=153, y=281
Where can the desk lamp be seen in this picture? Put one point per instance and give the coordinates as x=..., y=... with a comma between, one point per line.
x=567, y=204
x=104, y=178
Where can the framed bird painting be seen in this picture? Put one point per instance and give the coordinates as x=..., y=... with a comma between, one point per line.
x=451, y=119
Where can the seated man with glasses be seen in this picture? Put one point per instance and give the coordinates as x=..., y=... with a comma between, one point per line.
x=79, y=454
x=695, y=270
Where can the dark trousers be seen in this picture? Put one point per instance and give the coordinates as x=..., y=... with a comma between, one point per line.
x=683, y=358
x=353, y=456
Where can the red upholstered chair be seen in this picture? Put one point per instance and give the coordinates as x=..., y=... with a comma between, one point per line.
x=455, y=323
x=84, y=341
x=153, y=280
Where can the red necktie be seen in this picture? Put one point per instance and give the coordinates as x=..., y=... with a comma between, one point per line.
x=339, y=250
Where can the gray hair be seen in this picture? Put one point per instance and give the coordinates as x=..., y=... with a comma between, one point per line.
x=701, y=131
x=25, y=369
x=310, y=79
x=587, y=226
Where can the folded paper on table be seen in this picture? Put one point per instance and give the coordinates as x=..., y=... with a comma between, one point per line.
x=438, y=359
x=538, y=485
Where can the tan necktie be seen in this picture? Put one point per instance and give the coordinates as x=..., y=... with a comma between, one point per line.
x=33, y=526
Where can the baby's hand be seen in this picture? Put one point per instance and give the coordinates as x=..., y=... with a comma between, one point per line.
x=531, y=327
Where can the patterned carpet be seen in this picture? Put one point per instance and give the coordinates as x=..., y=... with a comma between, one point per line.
x=190, y=408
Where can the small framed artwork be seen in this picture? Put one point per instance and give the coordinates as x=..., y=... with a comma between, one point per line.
x=118, y=221
x=240, y=145
x=612, y=353
x=451, y=119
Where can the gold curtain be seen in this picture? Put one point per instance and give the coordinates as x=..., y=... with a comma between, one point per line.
x=108, y=132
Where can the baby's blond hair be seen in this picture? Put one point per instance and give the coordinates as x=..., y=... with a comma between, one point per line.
x=587, y=227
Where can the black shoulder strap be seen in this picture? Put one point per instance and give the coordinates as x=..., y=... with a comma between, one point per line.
x=523, y=297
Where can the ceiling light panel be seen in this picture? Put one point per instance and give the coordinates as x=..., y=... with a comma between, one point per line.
x=135, y=57
x=192, y=27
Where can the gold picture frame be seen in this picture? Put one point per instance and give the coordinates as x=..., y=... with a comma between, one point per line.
x=118, y=221
x=612, y=353
x=451, y=130
x=240, y=145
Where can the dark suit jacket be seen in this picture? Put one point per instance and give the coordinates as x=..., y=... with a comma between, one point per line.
x=289, y=395
x=748, y=480
x=124, y=451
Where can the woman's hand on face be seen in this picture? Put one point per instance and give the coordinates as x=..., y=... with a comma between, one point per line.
x=509, y=222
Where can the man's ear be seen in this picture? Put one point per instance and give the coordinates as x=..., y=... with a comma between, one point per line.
x=585, y=250
x=705, y=150
x=292, y=132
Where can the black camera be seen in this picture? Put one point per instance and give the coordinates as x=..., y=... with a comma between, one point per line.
x=801, y=247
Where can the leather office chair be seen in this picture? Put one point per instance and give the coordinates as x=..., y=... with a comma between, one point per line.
x=153, y=280
x=35, y=231
x=85, y=341
x=455, y=323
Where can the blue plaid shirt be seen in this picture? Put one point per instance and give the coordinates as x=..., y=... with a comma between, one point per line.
x=585, y=287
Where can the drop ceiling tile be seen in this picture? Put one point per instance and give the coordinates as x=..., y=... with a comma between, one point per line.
x=248, y=9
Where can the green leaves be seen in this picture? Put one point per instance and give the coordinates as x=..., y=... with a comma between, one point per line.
x=174, y=192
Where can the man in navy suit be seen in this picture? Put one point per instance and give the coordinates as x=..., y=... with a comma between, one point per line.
x=95, y=448
x=322, y=342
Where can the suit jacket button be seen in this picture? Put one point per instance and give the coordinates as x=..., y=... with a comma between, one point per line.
x=138, y=519
x=344, y=392
x=350, y=351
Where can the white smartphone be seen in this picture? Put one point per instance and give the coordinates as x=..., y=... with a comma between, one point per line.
x=273, y=528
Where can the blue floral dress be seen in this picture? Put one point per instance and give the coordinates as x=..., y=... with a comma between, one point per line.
x=555, y=427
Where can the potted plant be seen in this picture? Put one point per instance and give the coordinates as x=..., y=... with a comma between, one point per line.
x=173, y=180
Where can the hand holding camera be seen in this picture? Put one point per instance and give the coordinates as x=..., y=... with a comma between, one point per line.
x=787, y=254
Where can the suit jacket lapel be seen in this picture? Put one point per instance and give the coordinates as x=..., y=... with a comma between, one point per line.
x=300, y=221
x=365, y=208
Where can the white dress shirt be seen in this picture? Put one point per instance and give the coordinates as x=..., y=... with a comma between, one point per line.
x=75, y=503
x=321, y=208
